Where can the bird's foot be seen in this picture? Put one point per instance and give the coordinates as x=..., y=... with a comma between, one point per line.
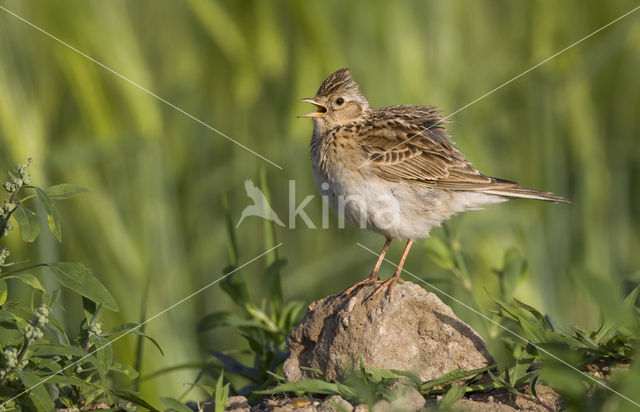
x=371, y=280
x=388, y=284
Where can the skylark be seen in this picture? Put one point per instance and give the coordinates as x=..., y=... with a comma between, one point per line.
x=394, y=170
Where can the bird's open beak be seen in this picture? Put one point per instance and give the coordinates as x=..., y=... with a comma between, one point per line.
x=322, y=109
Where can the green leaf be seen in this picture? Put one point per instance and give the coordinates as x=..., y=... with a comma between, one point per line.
x=132, y=328
x=65, y=191
x=453, y=395
x=221, y=395
x=235, y=286
x=37, y=391
x=49, y=349
x=272, y=282
x=79, y=278
x=12, y=321
x=440, y=253
x=103, y=352
x=133, y=397
x=125, y=369
x=70, y=380
x=52, y=213
x=234, y=366
x=171, y=404
x=28, y=222
x=4, y=290
x=514, y=270
x=318, y=372
x=213, y=321
x=311, y=386
x=417, y=382
x=27, y=279
x=377, y=375
x=455, y=375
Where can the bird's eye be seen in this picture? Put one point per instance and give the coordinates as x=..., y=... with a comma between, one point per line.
x=339, y=101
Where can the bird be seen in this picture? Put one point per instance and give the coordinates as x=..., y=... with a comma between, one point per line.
x=260, y=206
x=394, y=170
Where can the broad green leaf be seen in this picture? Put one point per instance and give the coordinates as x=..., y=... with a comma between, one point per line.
x=27, y=279
x=29, y=223
x=37, y=391
x=453, y=395
x=4, y=290
x=11, y=320
x=125, y=369
x=103, y=352
x=70, y=380
x=79, y=278
x=52, y=213
x=171, y=404
x=132, y=397
x=65, y=191
x=50, y=349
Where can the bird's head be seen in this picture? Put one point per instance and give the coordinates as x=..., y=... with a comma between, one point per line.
x=338, y=101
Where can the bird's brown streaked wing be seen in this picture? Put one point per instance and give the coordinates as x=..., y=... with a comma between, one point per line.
x=402, y=152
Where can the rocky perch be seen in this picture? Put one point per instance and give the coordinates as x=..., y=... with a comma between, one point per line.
x=410, y=329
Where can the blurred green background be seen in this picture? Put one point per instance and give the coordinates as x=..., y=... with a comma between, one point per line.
x=154, y=216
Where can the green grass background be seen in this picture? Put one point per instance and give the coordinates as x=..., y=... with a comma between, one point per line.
x=154, y=217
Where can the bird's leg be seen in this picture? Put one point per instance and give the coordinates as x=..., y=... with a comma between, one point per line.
x=396, y=276
x=373, y=277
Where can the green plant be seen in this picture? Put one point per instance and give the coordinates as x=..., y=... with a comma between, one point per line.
x=574, y=361
x=41, y=366
x=266, y=326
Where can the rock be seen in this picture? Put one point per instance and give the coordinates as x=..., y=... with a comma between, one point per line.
x=382, y=406
x=335, y=403
x=410, y=329
x=237, y=404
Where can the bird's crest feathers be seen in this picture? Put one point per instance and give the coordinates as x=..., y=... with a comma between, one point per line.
x=338, y=81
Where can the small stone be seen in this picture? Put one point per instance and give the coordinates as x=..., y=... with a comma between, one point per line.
x=335, y=403
x=409, y=399
x=300, y=402
x=382, y=406
x=361, y=408
x=237, y=404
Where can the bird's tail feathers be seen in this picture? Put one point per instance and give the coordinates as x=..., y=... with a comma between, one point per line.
x=511, y=189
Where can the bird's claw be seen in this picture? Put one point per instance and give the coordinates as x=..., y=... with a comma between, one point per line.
x=368, y=281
